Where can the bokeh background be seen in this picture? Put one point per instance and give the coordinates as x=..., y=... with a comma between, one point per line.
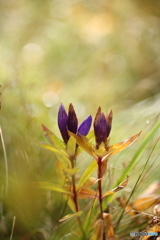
x=91, y=53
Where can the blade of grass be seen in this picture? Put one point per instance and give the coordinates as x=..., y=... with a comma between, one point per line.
x=136, y=185
x=135, y=158
x=5, y=160
x=13, y=224
x=138, y=153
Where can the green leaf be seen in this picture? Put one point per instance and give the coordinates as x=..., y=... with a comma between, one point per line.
x=71, y=171
x=51, y=148
x=53, y=187
x=53, y=139
x=87, y=173
x=89, y=217
x=70, y=216
x=98, y=230
x=68, y=236
x=71, y=146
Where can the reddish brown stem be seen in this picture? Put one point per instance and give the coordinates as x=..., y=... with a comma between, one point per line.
x=100, y=186
x=100, y=189
x=75, y=199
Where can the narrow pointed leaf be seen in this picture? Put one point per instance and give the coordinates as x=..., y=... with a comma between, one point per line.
x=116, y=148
x=83, y=144
x=98, y=230
x=68, y=236
x=51, y=148
x=144, y=203
x=58, y=143
x=90, y=182
x=118, y=188
x=60, y=172
x=70, y=216
x=71, y=146
x=71, y=171
x=53, y=187
x=87, y=173
x=87, y=193
x=110, y=228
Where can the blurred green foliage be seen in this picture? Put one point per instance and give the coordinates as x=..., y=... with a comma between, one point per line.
x=90, y=53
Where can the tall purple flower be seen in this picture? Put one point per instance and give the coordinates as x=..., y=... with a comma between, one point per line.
x=69, y=122
x=102, y=127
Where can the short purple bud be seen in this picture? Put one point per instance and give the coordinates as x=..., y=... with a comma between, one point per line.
x=102, y=127
x=85, y=126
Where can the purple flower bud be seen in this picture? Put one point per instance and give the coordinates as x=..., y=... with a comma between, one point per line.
x=62, y=123
x=109, y=121
x=85, y=126
x=72, y=122
x=102, y=127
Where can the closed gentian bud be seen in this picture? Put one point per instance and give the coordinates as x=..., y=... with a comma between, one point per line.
x=101, y=127
x=109, y=121
x=62, y=123
x=85, y=126
x=72, y=122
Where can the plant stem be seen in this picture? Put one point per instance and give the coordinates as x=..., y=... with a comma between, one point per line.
x=100, y=191
x=100, y=187
x=75, y=199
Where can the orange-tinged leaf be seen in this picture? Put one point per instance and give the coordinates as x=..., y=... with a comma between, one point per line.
x=143, y=203
x=90, y=182
x=118, y=188
x=83, y=144
x=70, y=216
x=53, y=187
x=110, y=229
x=87, y=193
x=98, y=230
x=116, y=148
x=138, y=205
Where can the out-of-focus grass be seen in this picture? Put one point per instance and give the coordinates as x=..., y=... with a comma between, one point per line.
x=89, y=53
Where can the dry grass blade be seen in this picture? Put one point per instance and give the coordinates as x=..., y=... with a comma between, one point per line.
x=0, y=97
x=14, y=220
x=5, y=159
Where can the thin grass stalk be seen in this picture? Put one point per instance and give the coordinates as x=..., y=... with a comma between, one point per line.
x=135, y=158
x=5, y=161
x=13, y=225
x=136, y=185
